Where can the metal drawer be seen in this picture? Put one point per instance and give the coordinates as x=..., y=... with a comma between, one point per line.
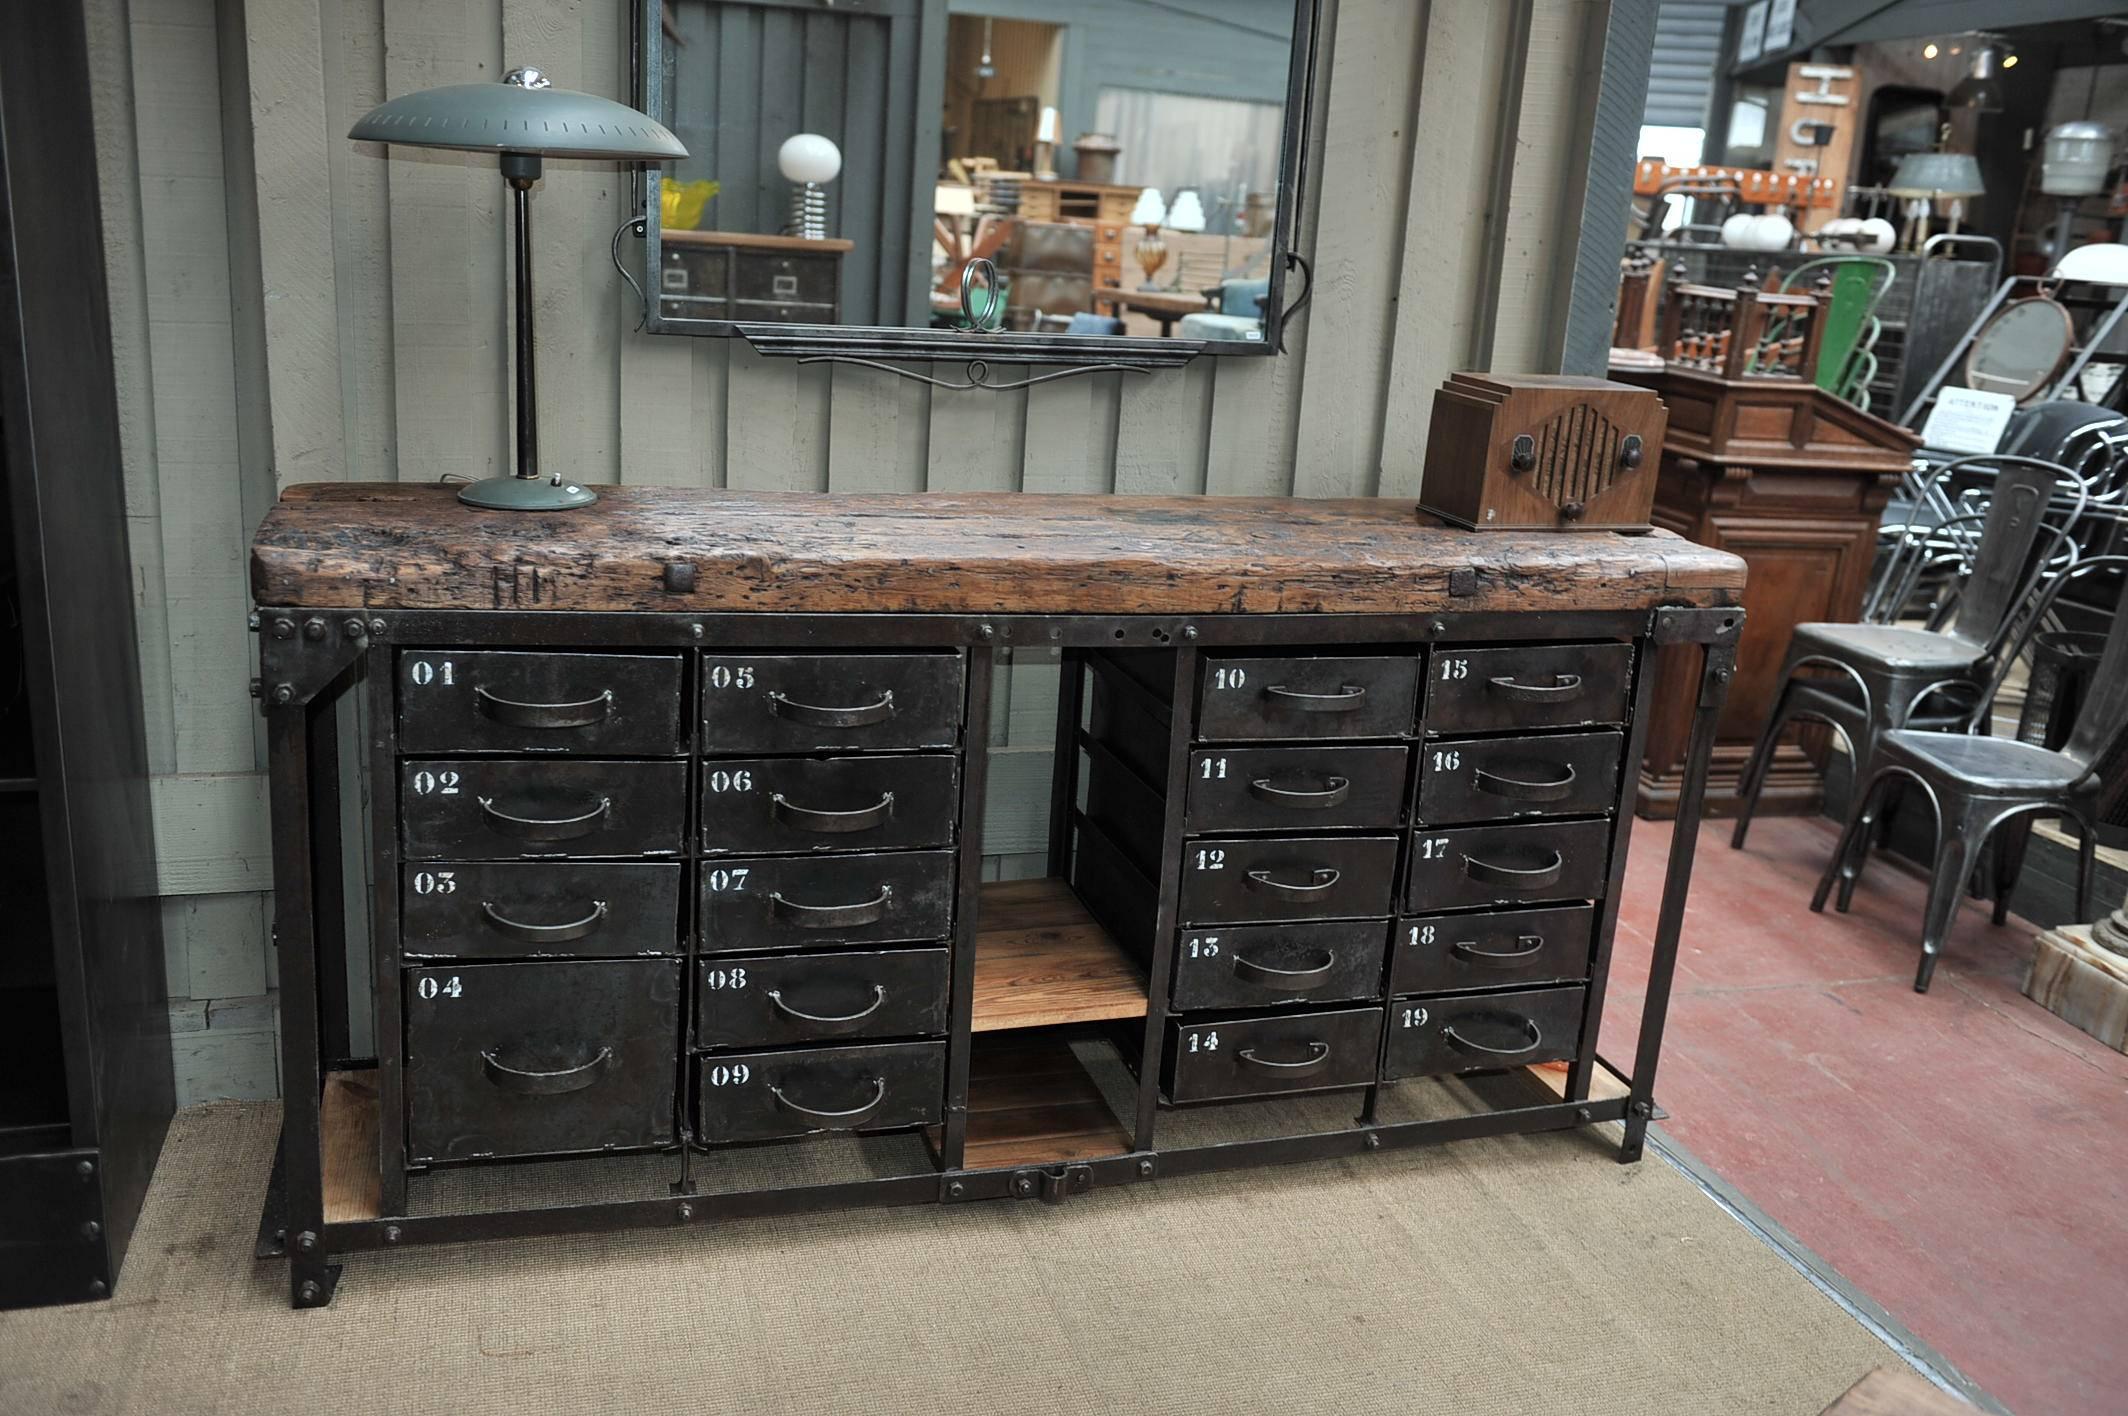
x=482, y=700
x=1479, y=1032
x=540, y=1058
x=1526, y=686
x=1302, y=697
x=1485, y=779
x=805, y=279
x=763, y=1096
x=1228, y=879
x=1297, y=788
x=1445, y=953
x=1252, y=965
x=823, y=997
x=810, y=902
x=823, y=702
x=762, y=805
x=474, y=808
x=542, y=910
x=1227, y=1057
x=1506, y=865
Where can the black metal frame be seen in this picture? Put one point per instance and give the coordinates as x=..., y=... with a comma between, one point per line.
x=812, y=341
x=311, y=658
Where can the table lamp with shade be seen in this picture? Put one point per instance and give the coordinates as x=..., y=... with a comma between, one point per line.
x=808, y=162
x=1150, y=211
x=1923, y=177
x=525, y=119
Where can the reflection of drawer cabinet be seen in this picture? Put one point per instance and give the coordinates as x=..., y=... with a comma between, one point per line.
x=732, y=275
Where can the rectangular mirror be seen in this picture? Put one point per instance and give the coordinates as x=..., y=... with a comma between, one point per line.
x=1032, y=181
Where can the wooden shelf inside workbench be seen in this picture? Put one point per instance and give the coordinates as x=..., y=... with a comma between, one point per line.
x=1031, y=1102
x=1041, y=960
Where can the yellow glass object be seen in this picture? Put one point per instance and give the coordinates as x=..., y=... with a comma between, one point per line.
x=681, y=204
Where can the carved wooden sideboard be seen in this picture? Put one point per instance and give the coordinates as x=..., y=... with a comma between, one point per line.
x=675, y=813
x=1794, y=481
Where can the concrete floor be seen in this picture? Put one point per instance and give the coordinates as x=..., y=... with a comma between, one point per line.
x=1961, y=1157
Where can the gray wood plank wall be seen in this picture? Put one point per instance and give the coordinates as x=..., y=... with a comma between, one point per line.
x=289, y=307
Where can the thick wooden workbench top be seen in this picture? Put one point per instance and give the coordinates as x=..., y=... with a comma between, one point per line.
x=386, y=545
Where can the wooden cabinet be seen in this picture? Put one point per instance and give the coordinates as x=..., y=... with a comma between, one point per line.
x=751, y=279
x=1795, y=481
x=1335, y=805
x=1104, y=207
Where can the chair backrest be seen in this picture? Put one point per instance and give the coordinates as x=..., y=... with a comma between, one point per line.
x=2045, y=429
x=2002, y=563
x=1859, y=284
x=2102, y=722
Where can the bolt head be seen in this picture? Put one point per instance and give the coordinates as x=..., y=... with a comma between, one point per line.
x=314, y=628
x=391, y=1233
x=356, y=629
x=1581, y=1113
x=987, y=631
x=307, y=1240
x=251, y=621
x=1145, y=1168
x=97, y=1288
x=1440, y=626
x=956, y=1189
x=1189, y=631
x=376, y=626
x=284, y=693
x=284, y=629
x=687, y=1211
x=85, y=1168
x=91, y=1230
x=695, y=630
x=1023, y=1185
x=309, y=1291
x=1374, y=1142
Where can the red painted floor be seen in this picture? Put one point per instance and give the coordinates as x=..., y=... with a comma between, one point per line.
x=1960, y=1156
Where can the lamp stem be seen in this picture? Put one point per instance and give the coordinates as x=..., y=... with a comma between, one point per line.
x=527, y=418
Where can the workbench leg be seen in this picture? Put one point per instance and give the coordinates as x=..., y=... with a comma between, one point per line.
x=311, y=1277
x=1717, y=667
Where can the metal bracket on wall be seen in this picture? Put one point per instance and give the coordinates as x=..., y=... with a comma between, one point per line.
x=300, y=654
x=978, y=372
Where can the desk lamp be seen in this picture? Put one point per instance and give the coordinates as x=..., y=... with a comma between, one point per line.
x=524, y=118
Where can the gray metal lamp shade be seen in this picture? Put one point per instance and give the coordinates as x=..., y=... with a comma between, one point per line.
x=524, y=119
x=1937, y=174
x=528, y=115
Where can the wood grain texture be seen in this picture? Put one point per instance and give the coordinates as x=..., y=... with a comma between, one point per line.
x=354, y=1189
x=401, y=546
x=1040, y=961
x=1896, y=1391
x=1030, y=1102
x=2080, y=983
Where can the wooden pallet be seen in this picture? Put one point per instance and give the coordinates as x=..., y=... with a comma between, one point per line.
x=2080, y=983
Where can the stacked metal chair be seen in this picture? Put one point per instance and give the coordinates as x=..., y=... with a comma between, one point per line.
x=1988, y=789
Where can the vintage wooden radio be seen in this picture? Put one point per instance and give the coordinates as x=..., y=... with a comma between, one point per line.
x=1542, y=452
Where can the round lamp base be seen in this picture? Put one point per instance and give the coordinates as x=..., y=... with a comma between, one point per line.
x=526, y=494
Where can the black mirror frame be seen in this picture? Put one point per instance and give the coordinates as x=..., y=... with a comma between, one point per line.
x=886, y=342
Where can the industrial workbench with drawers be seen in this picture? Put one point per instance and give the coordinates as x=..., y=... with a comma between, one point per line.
x=672, y=816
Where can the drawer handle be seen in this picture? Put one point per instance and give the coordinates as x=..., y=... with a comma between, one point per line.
x=879, y=996
x=1318, y=1054
x=847, y=1118
x=1333, y=793
x=1561, y=686
x=1264, y=976
x=815, y=716
x=523, y=1082
x=547, y=828
x=832, y=916
x=1532, y=945
x=830, y=823
x=1345, y=700
x=1524, y=788
x=513, y=714
x=1518, y=877
x=541, y=933
x=1321, y=878
x=1475, y=1048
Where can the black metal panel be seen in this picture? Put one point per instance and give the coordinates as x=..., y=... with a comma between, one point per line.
x=1242, y=879
x=1492, y=949
x=761, y=1096
x=1312, y=788
x=52, y=1246
x=812, y=902
x=1213, y=1058
x=540, y=1058
x=540, y=909
x=1537, y=686
x=460, y=700
x=1302, y=697
x=1489, y=779
x=1458, y=866
x=1257, y=965
x=473, y=808
x=767, y=805
x=824, y=702
x=829, y=996
x=1430, y=1036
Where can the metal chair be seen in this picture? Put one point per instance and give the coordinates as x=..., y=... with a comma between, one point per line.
x=1890, y=668
x=1982, y=785
x=1847, y=360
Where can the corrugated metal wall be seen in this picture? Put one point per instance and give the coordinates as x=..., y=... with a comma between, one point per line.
x=288, y=307
x=1688, y=50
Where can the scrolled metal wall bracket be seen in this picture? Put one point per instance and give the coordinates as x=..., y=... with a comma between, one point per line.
x=978, y=372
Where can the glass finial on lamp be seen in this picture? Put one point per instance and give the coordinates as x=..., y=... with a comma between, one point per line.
x=523, y=119
x=1152, y=251
x=809, y=162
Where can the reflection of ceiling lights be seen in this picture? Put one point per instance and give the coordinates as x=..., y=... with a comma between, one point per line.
x=1981, y=88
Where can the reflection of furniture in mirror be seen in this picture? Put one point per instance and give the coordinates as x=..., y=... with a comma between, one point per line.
x=1162, y=306
x=1048, y=269
x=1237, y=312
x=954, y=118
x=731, y=275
